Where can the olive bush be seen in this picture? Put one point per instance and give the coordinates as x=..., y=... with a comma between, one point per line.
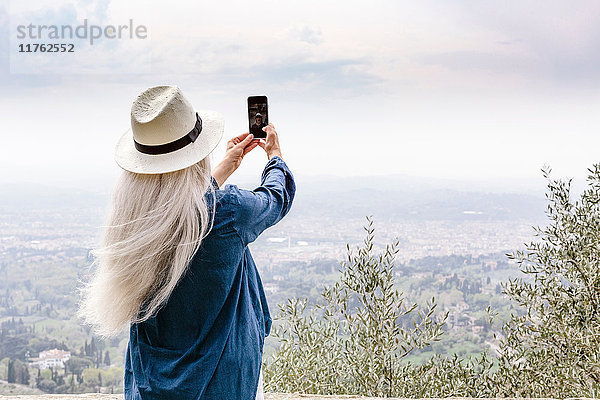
x=354, y=341
x=553, y=349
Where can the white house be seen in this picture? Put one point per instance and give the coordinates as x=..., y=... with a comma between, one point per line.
x=51, y=358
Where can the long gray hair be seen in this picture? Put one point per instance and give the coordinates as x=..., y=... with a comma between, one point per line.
x=156, y=225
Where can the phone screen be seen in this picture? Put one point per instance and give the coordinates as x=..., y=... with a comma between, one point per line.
x=258, y=115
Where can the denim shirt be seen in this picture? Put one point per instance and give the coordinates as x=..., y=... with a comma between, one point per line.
x=207, y=341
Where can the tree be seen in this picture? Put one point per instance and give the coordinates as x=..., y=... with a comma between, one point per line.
x=355, y=340
x=11, y=376
x=553, y=350
x=21, y=370
x=47, y=385
x=93, y=347
x=76, y=365
x=107, y=358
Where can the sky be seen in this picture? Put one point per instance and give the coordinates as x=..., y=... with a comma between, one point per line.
x=461, y=90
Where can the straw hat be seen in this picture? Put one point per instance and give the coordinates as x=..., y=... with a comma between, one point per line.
x=166, y=133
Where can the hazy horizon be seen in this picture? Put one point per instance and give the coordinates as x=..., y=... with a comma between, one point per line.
x=248, y=179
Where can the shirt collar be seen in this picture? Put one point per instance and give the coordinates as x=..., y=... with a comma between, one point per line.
x=214, y=183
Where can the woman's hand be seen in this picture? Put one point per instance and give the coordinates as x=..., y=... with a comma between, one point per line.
x=271, y=144
x=237, y=148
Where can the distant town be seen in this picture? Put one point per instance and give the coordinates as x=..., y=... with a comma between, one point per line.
x=456, y=254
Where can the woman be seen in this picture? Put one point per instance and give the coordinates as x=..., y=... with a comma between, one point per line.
x=175, y=264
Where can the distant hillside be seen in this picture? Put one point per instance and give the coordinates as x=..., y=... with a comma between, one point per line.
x=426, y=205
x=385, y=197
x=47, y=196
x=16, y=389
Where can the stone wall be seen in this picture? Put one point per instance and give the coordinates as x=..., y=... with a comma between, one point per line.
x=268, y=396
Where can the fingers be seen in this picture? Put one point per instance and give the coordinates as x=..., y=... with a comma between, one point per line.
x=245, y=143
x=247, y=139
x=249, y=148
x=270, y=129
x=240, y=137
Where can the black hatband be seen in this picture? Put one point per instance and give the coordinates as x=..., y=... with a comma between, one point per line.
x=172, y=146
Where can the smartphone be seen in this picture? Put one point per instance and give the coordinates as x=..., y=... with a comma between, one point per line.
x=258, y=116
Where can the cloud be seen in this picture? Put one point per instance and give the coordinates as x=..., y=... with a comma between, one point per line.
x=4, y=38
x=437, y=44
x=106, y=55
x=338, y=75
x=551, y=43
x=478, y=60
x=11, y=82
x=64, y=14
x=305, y=33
